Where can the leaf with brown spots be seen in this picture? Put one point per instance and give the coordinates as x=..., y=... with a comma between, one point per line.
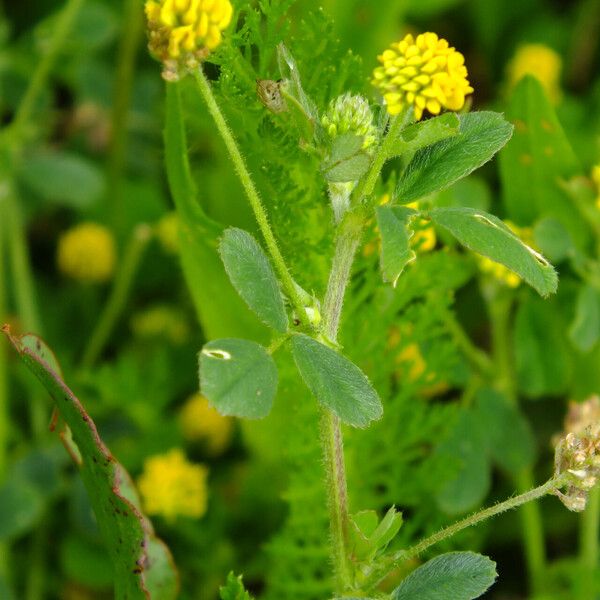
x=143, y=567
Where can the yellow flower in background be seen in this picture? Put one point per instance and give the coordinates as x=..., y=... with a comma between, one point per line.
x=498, y=272
x=87, y=253
x=161, y=321
x=183, y=32
x=540, y=61
x=171, y=486
x=426, y=73
x=167, y=231
x=201, y=422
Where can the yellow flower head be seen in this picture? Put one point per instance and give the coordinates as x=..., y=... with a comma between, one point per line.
x=87, y=253
x=425, y=73
x=540, y=61
x=499, y=272
x=183, y=32
x=171, y=486
x=201, y=422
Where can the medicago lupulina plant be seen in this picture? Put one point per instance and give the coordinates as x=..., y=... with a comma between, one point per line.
x=375, y=164
x=353, y=142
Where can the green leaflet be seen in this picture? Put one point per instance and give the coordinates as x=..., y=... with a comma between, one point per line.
x=239, y=377
x=536, y=159
x=199, y=235
x=423, y=134
x=142, y=564
x=395, y=233
x=253, y=277
x=369, y=536
x=234, y=589
x=486, y=234
x=451, y=576
x=336, y=382
x=436, y=167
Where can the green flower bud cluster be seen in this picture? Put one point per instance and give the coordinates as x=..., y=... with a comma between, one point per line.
x=350, y=114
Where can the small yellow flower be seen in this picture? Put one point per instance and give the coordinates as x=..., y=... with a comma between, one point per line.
x=87, y=253
x=183, y=32
x=540, y=61
x=171, y=486
x=596, y=182
x=201, y=422
x=426, y=73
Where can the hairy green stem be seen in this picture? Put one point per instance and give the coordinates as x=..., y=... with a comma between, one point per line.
x=367, y=185
x=256, y=203
x=500, y=305
x=40, y=75
x=551, y=486
x=589, y=535
x=118, y=295
x=130, y=39
x=347, y=241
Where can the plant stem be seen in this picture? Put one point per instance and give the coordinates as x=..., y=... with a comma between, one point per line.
x=248, y=184
x=367, y=185
x=500, y=305
x=128, y=46
x=347, y=240
x=42, y=71
x=589, y=536
x=118, y=295
x=403, y=555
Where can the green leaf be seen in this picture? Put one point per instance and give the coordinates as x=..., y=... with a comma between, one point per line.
x=542, y=354
x=486, y=234
x=336, y=383
x=468, y=485
x=253, y=277
x=426, y=133
x=126, y=531
x=510, y=440
x=239, y=377
x=455, y=576
x=536, y=159
x=396, y=253
x=436, y=167
x=234, y=589
x=63, y=178
x=369, y=536
x=585, y=329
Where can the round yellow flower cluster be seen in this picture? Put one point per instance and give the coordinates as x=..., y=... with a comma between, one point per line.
x=87, y=253
x=183, y=32
x=171, y=486
x=201, y=422
x=425, y=73
x=540, y=61
x=167, y=232
x=161, y=321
